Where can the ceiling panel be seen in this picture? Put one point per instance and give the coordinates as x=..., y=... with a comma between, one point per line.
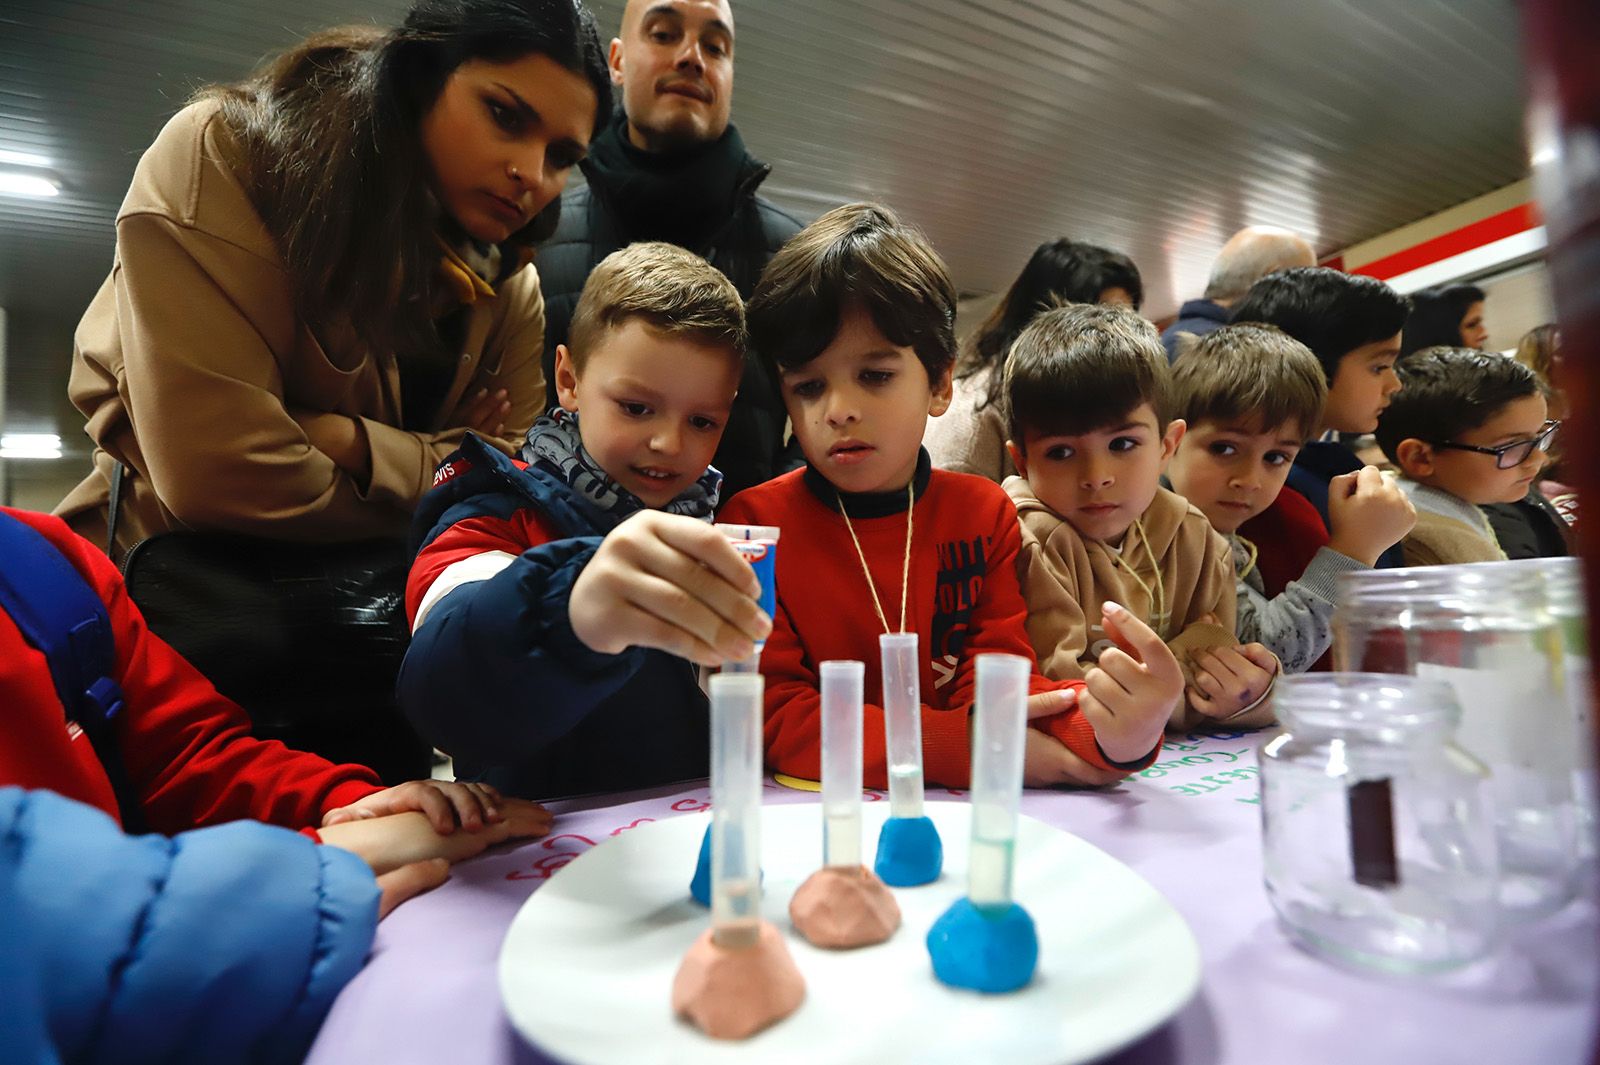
x=1155, y=127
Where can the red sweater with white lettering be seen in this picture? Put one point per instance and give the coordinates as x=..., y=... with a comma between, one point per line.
x=963, y=601
x=187, y=749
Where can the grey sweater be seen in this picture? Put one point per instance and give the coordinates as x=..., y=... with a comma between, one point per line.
x=1295, y=625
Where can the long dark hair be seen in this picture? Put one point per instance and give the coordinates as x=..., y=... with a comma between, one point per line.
x=1436, y=316
x=333, y=158
x=1059, y=271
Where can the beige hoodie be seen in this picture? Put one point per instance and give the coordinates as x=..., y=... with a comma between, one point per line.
x=1065, y=578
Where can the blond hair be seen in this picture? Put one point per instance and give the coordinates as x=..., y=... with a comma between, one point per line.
x=672, y=290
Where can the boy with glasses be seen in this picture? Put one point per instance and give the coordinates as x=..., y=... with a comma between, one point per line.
x=1468, y=429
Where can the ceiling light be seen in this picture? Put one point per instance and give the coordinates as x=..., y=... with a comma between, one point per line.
x=26, y=174
x=28, y=183
x=38, y=162
x=30, y=446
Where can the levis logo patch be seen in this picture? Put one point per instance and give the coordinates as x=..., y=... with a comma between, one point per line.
x=451, y=469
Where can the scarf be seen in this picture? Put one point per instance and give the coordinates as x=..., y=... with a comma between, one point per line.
x=554, y=447
x=683, y=196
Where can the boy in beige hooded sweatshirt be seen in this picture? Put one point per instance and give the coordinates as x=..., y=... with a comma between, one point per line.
x=1088, y=391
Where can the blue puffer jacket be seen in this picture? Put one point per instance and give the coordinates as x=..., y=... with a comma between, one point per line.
x=221, y=945
x=495, y=675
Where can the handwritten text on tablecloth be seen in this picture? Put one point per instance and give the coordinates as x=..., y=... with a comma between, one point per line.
x=1201, y=763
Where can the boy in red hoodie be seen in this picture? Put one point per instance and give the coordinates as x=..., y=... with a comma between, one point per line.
x=858, y=312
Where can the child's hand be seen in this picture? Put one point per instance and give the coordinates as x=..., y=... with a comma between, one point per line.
x=1047, y=763
x=1229, y=680
x=387, y=843
x=1130, y=695
x=445, y=803
x=409, y=881
x=669, y=582
x=1047, y=704
x=1368, y=514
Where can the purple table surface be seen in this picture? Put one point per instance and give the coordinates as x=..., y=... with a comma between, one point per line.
x=1190, y=825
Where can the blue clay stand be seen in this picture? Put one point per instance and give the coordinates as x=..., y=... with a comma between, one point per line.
x=988, y=950
x=909, y=852
x=700, y=886
x=700, y=883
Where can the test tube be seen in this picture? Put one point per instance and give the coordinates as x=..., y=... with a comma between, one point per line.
x=736, y=809
x=1001, y=720
x=902, y=719
x=841, y=764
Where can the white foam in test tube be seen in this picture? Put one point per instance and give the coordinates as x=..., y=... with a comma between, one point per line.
x=902, y=720
x=736, y=808
x=841, y=763
x=998, y=738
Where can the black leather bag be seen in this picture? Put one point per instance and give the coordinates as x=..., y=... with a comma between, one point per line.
x=308, y=638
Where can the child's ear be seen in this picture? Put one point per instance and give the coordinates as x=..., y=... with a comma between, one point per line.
x=566, y=379
x=1019, y=458
x=1414, y=457
x=1169, y=440
x=943, y=389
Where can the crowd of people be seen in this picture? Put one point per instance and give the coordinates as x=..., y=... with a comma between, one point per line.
x=351, y=299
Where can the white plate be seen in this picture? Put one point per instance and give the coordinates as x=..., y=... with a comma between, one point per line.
x=587, y=965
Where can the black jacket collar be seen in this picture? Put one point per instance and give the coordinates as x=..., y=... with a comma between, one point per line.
x=869, y=504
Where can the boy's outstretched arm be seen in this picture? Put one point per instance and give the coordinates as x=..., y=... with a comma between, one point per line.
x=672, y=583
x=513, y=661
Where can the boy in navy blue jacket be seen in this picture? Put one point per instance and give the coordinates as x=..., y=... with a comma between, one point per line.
x=560, y=601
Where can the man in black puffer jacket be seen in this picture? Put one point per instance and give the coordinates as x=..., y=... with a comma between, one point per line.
x=670, y=167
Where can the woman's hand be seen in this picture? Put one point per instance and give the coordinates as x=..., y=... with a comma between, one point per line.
x=483, y=412
x=340, y=438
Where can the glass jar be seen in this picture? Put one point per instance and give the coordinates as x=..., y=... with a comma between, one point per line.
x=1378, y=842
x=1487, y=631
x=1564, y=598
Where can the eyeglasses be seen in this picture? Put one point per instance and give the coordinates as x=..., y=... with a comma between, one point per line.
x=1515, y=453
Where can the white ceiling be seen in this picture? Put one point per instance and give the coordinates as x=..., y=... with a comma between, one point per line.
x=1156, y=127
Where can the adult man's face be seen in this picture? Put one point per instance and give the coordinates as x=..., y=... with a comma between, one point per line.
x=674, y=61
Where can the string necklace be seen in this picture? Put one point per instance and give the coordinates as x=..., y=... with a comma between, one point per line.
x=905, y=569
x=1156, y=596
x=1250, y=561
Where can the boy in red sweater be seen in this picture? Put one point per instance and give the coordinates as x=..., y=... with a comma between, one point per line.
x=188, y=756
x=858, y=313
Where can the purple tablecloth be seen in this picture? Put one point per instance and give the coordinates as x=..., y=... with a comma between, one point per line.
x=1190, y=825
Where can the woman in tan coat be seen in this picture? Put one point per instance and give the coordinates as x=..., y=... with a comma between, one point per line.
x=322, y=276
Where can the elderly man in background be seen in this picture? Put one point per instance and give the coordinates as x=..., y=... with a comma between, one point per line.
x=1250, y=254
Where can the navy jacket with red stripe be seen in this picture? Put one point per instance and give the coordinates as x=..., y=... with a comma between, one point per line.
x=495, y=675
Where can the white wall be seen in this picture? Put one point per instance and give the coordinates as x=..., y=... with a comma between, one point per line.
x=1516, y=301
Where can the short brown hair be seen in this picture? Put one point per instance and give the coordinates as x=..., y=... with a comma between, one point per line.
x=860, y=254
x=1250, y=374
x=672, y=290
x=1078, y=368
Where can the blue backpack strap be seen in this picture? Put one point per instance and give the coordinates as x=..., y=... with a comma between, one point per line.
x=62, y=618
